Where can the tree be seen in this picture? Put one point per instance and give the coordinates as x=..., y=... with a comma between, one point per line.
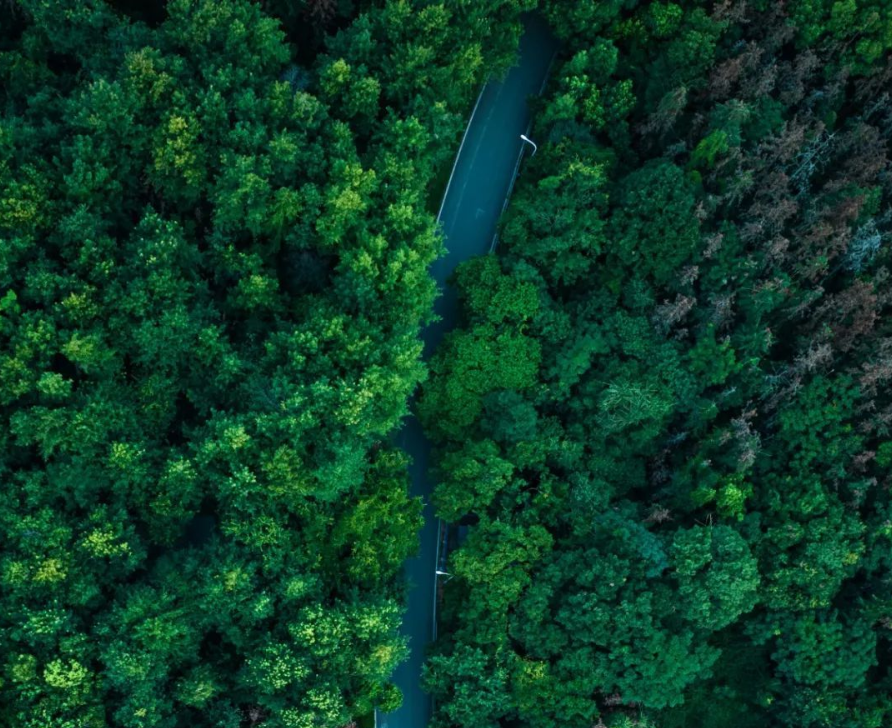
x=654, y=226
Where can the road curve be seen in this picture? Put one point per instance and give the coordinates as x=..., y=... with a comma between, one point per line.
x=480, y=183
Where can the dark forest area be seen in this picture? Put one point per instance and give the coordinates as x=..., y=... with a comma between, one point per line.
x=668, y=411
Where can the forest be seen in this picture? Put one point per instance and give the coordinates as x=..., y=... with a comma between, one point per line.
x=214, y=233
x=666, y=419
x=664, y=423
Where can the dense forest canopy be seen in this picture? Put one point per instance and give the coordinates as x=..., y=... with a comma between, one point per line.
x=667, y=415
x=214, y=236
x=665, y=420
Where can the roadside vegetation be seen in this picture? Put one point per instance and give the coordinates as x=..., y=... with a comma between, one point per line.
x=214, y=239
x=666, y=418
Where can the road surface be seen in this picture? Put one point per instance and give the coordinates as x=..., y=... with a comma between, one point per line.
x=480, y=183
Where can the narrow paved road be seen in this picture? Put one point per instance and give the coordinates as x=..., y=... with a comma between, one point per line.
x=480, y=183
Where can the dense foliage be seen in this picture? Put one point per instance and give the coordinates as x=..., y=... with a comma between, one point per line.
x=665, y=422
x=214, y=235
x=666, y=419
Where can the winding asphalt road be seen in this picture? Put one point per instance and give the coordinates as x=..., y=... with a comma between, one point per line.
x=478, y=188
